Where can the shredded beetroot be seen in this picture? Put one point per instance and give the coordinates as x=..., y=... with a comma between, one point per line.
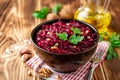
x=47, y=39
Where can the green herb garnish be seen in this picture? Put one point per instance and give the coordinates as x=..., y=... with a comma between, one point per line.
x=74, y=38
x=56, y=8
x=41, y=13
x=114, y=40
x=101, y=38
x=111, y=53
x=62, y=36
x=114, y=43
x=76, y=30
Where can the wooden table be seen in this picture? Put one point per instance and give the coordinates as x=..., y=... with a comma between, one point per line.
x=15, y=18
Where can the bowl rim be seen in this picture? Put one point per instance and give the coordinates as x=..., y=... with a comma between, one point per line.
x=37, y=28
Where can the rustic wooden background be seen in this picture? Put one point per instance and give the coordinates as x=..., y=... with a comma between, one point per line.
x=16, y=23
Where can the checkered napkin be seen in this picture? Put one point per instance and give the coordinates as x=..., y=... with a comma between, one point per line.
x=35, y=63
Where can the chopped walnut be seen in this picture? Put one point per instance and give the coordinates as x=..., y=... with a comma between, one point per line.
x=74, y=46
x=59, y=77
x=54, y=47
x=88, y=37
x=45, y=72
x=48, y=39
x=56, y=44
x=49, y=33
x=87, y=31
x=29, y=73
x=67, y=24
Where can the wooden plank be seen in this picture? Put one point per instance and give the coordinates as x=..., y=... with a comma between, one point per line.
x=16, y=18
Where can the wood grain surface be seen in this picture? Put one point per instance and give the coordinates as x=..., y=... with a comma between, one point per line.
x=16, y=23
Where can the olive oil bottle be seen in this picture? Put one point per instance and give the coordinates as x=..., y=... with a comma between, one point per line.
x=95, y=14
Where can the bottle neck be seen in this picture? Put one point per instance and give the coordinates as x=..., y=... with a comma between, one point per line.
x=93, y=4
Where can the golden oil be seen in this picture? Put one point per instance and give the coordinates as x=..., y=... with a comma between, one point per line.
x=100, y=19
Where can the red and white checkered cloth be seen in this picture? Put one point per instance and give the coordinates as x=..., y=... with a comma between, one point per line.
x=35, y=63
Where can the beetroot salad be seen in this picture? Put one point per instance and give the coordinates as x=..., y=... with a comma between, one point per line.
x=66, y=37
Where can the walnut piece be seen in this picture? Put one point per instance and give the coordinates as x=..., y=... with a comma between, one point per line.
x=29, y=73
x=59, y=77
x=45, y=72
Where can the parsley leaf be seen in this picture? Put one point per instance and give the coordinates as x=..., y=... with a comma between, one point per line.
x=116, y=44
x=100, y=38
x=113, y=37
x=74, y=39
x=115, y=40
x=62, y=36
x=56, y=8
x=76, y=30
x=111, y=53
x=115, y=55
x=109, y=56
x=41, y=13
x=105, y=33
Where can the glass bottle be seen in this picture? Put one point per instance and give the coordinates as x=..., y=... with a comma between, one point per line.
x=95, y=12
